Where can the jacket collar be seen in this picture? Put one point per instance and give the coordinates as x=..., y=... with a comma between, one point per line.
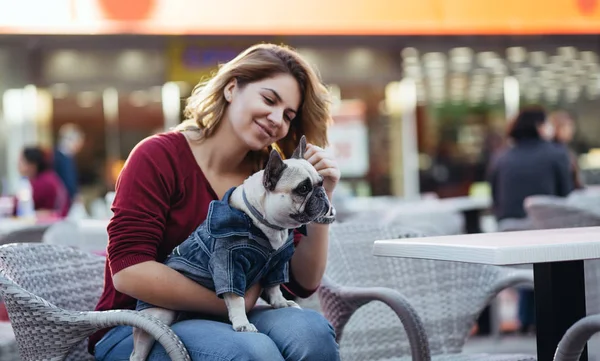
x=225, y=221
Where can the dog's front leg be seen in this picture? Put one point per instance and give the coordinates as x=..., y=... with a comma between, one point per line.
x=236, y=307
x=142, y=341
x=276, y=299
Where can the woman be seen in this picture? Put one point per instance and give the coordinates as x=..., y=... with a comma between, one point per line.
x=531, y=166
x=267, y=96
x=564, y=129
x=50, y=197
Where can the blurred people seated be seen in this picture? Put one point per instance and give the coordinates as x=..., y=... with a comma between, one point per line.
x=50, y=197
x=70, y=141
x=531, y=165
x=564, y=130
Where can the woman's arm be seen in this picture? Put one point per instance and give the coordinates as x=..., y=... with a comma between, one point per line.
x=310, y=257
x=144, y=191
x=160, y=285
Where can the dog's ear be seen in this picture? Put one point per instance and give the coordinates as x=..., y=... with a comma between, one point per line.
x=300, y=149
x=273, y=170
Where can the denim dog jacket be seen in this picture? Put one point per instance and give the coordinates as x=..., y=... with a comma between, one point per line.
x=228, y=253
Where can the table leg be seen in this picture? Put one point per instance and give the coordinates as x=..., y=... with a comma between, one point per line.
x=472, y=221
x=559, y=303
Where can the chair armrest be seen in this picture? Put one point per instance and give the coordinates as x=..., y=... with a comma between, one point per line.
x=511, y=277
x=574, y=340
x=45, y=331
x=339, y=303
x=160, y=331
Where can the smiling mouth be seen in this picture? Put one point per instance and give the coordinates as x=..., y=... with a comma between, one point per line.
x=264, y=129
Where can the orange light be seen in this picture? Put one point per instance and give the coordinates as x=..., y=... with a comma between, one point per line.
x=308, y=17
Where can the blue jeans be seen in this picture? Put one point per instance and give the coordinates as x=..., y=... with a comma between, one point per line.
x=288, y=334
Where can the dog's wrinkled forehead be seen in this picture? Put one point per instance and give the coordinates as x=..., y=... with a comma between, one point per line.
x=297, y=172
x=280, y=175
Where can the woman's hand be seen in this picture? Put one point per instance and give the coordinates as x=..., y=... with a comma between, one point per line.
x=325, y=164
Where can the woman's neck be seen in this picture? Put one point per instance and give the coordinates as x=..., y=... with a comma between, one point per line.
x=222, y=152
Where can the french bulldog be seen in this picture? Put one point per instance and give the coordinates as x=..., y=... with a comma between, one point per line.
x=260, y=215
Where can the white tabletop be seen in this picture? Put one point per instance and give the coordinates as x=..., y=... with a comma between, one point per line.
x=503, y=248
x=9, y=225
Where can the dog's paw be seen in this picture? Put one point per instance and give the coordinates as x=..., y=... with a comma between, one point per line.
x=294, y=304
x=284, y=303
x=247, y=327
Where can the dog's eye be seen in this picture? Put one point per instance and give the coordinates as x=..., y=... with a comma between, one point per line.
x=304, y=189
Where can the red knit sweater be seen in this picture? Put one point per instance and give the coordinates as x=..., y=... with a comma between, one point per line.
x=161, y=197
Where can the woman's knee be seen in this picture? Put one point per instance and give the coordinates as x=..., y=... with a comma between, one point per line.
x=251, y=346
x=219, y=342
x=316, y=331
x=305, y=335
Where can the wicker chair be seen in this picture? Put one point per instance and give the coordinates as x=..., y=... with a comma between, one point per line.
x=428, y=216
x=515, y=224
x=86, y=235
x=49, y=290
x=572, y=343
x=435, y=302
x=548, y=212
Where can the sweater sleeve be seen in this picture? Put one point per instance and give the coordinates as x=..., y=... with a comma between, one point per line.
x=293, y=288
x=141, y=205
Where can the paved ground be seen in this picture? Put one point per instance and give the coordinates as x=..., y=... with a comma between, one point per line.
x=503, y=344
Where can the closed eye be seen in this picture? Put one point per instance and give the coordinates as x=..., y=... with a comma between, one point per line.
x=268, y=100
x=288, y=118
x=289, y=114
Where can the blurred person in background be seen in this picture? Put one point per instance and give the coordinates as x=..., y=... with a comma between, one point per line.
x=564, y=130
x=50, y=197
x=70, y=141
x=531, y=165
x=266, y=98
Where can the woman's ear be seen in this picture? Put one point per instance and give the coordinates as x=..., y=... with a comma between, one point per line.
x=230, y=90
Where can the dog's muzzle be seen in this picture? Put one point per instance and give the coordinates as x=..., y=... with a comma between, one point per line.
x=316, y=206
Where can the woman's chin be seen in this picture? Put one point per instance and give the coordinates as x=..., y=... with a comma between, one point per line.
x=257, y=144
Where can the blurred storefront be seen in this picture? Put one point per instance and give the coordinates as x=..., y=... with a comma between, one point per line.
x=121, y=87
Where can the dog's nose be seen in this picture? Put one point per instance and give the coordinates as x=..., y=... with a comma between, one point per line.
x=321, y=193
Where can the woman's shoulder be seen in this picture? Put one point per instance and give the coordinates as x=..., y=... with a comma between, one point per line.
x=168, y=141
x=169, y=147
x=167, y=154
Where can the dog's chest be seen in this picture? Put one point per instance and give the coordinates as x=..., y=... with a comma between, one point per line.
x=277, y=239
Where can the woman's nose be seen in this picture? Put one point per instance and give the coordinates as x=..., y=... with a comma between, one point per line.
x=276, y=117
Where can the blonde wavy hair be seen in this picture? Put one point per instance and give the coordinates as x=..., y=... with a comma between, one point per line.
x=206, y=106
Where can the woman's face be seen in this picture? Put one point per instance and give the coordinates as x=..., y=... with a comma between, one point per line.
x=26, y=169
x=261, y=112
x=565, y=131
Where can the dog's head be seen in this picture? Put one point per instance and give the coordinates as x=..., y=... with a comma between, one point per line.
x=294, y=190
